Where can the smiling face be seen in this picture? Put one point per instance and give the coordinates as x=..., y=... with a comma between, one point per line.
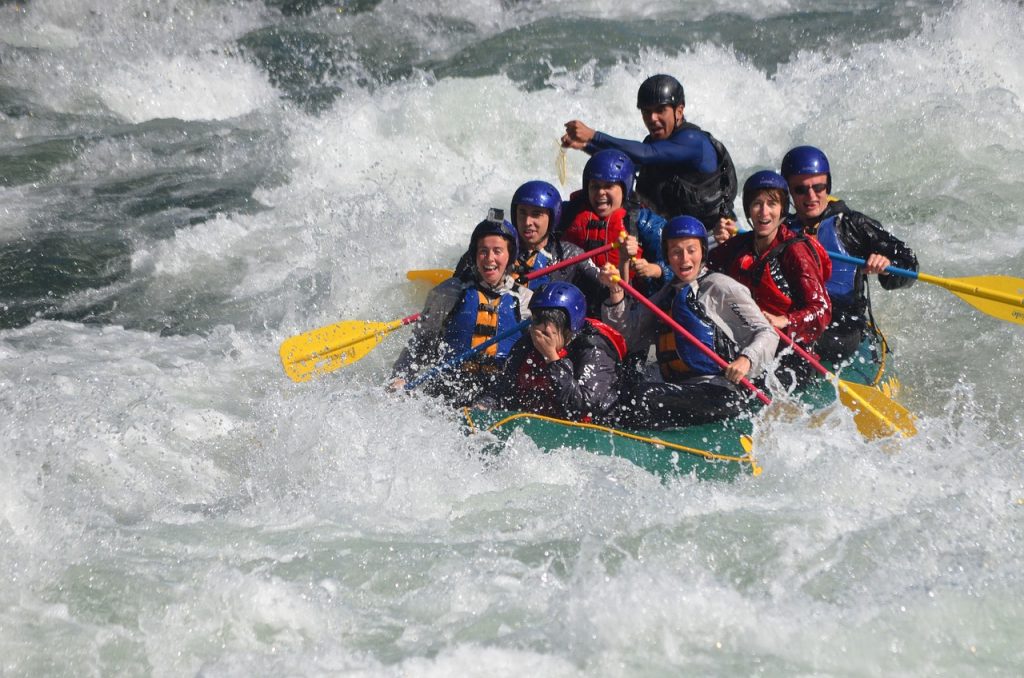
x=810, y=197
x=661, y=121
x=491, y=258
x=685, y=257
x=605, y=197
x=533, y=224
x=765, y=214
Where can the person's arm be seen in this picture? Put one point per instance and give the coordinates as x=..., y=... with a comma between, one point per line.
x=423, y=346
x=585, y=382
x=812, y=308
x=633, y=320
x=864, y=236
x=753, y=334
x=688, y=149
x=649, y=227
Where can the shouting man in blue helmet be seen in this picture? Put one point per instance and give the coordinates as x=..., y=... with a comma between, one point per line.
x=717, y=310
x=566, y=366
x=683, y=169
x=461, y=314
x=822, y=216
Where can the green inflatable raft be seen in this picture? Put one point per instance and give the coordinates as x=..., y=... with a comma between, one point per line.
x=719, y=450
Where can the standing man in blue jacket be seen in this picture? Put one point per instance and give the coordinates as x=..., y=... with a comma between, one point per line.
x=683, y=169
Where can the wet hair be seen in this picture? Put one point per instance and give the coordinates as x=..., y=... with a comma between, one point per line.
x=556, y=316
x=781, y=196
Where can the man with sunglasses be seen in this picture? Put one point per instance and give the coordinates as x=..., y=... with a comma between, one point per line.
x=840, y=229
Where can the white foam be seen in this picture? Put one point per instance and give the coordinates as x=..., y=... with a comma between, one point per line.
x=204, y=87
x=174, y=504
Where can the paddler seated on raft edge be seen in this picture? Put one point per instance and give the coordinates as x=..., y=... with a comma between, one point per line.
x=785, y=272
x=566, y=366
x=601, y=216
x=461, y=314
x=536, y=210
x=683, y=169
x=822, y=216
x=713, y=307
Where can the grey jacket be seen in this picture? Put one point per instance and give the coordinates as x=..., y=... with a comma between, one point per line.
x=725, y=301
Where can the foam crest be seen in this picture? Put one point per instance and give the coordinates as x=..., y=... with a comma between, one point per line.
x=206, y=87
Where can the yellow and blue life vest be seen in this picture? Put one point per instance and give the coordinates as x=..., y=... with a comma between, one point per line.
x=479, y=316
x=534, y=261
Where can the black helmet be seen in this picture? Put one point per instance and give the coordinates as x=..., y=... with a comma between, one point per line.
x=496, y=224
x=660, y=90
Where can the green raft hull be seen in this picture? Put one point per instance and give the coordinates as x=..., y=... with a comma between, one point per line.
x=720, y=450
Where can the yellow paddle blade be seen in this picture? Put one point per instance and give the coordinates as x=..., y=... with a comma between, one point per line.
x=434, y=276
x=327, y=348
x=1001, y=296
x=875, y=415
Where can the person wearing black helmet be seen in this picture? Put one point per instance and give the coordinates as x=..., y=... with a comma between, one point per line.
x=567, y=364
x=536, y=213
x=462, y=313
x=683, y=169
x=826, y=218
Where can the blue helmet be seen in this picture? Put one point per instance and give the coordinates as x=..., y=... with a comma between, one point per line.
x=539, y=194
x=495, y=224
x=807, y=160
x=683, y=227
x=759, y=181
x=612, y=166
x=565, y=296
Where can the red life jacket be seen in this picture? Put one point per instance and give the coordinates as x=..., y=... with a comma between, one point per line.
x=767, y=282
x=589, y=231
x=612, y=335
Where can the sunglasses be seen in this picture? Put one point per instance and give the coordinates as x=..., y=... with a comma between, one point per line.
x=804, y=190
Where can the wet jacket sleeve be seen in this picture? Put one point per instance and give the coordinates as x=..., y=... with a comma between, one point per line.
x=730, y=302
x=649, y=226
x=864, y=236
x=812, y=309
x=636, y=323
x=689, y=149
x=424, y=348
x=585, y=380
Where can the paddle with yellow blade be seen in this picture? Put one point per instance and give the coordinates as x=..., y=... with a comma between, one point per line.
x=1000, y=296
x=325, y=349
x=434, y=276
x=328, y=348
x=874, y=413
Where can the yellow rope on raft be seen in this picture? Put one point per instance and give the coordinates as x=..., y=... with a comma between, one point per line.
x=890, y=386
x=747, y=458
